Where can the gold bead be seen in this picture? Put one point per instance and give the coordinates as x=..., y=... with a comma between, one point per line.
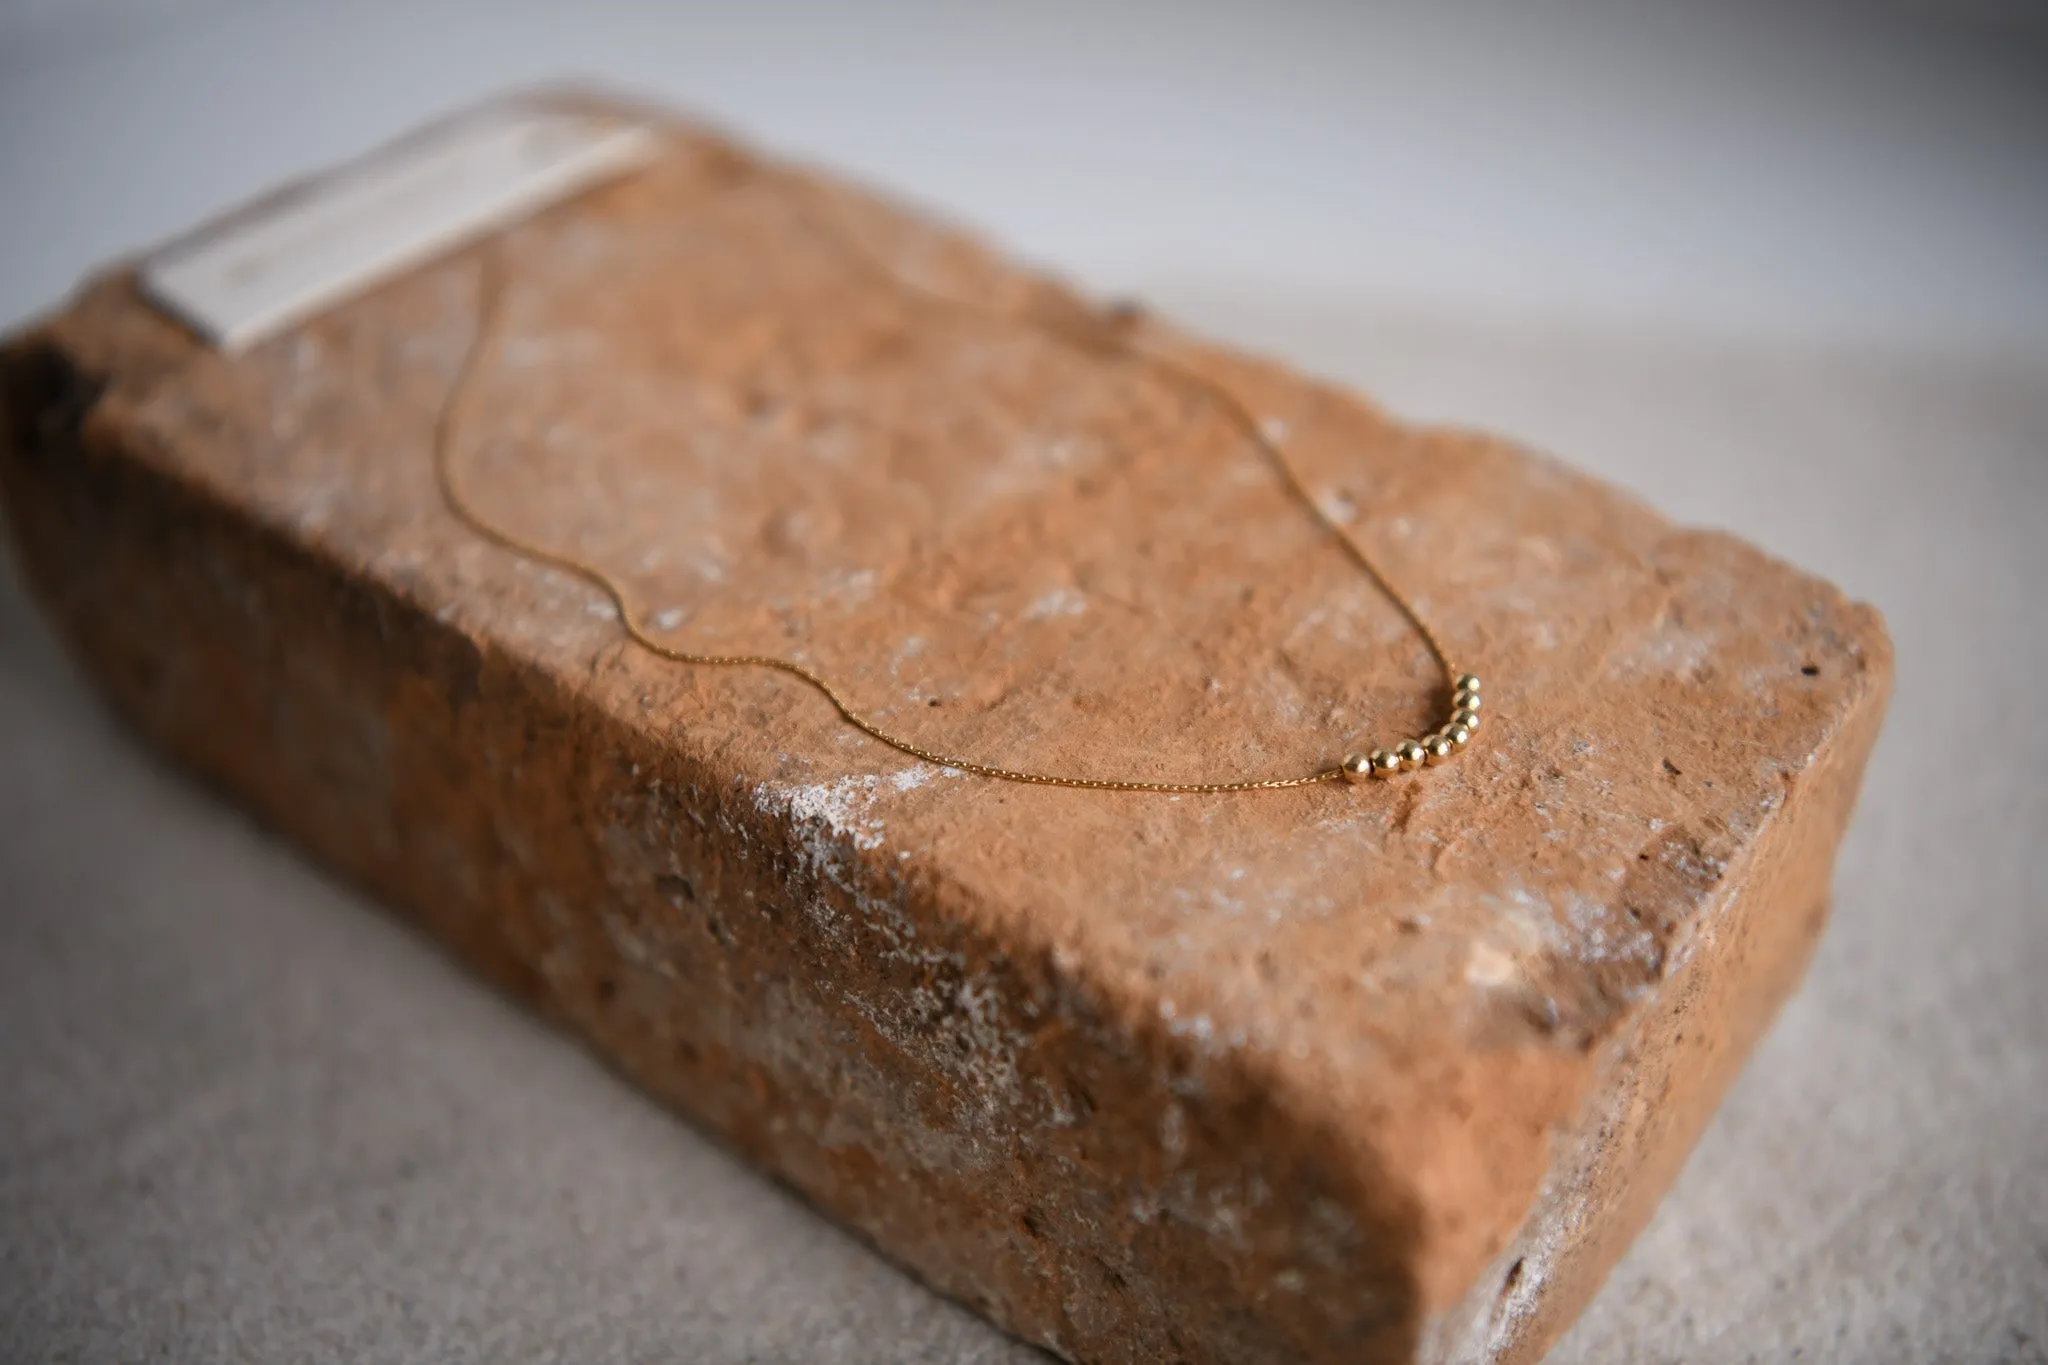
x=1357, y=767
x=1413, y=755
x=1465, y=718
x=1440, y=749
x=1458, y=735
x=1467, y=682
x=1385, y=763
x=1466, y=700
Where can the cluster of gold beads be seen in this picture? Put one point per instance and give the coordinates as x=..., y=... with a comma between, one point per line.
x=1439, y=746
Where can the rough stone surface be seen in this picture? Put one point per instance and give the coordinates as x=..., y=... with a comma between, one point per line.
x=1342, y=1074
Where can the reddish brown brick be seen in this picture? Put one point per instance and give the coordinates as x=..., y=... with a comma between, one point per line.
x=1334, y=1074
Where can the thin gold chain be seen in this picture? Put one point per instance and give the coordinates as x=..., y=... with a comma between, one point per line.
x=448, y=421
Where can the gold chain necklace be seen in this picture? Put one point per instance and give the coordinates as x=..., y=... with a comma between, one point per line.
x=1438, y=746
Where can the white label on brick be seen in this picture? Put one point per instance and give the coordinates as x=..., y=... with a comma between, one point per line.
x=397, y=208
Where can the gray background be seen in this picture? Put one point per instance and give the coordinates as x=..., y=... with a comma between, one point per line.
x=1778, y=268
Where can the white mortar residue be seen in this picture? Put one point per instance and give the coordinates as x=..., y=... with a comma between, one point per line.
x=832, y=823
x=1058, y=602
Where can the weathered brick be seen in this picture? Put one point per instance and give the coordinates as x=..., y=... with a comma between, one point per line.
x=1338, y=1073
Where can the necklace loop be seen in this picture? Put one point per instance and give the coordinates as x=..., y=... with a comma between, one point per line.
x=1438, y=746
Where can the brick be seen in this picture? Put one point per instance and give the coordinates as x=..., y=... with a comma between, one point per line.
x=1381, y=1073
